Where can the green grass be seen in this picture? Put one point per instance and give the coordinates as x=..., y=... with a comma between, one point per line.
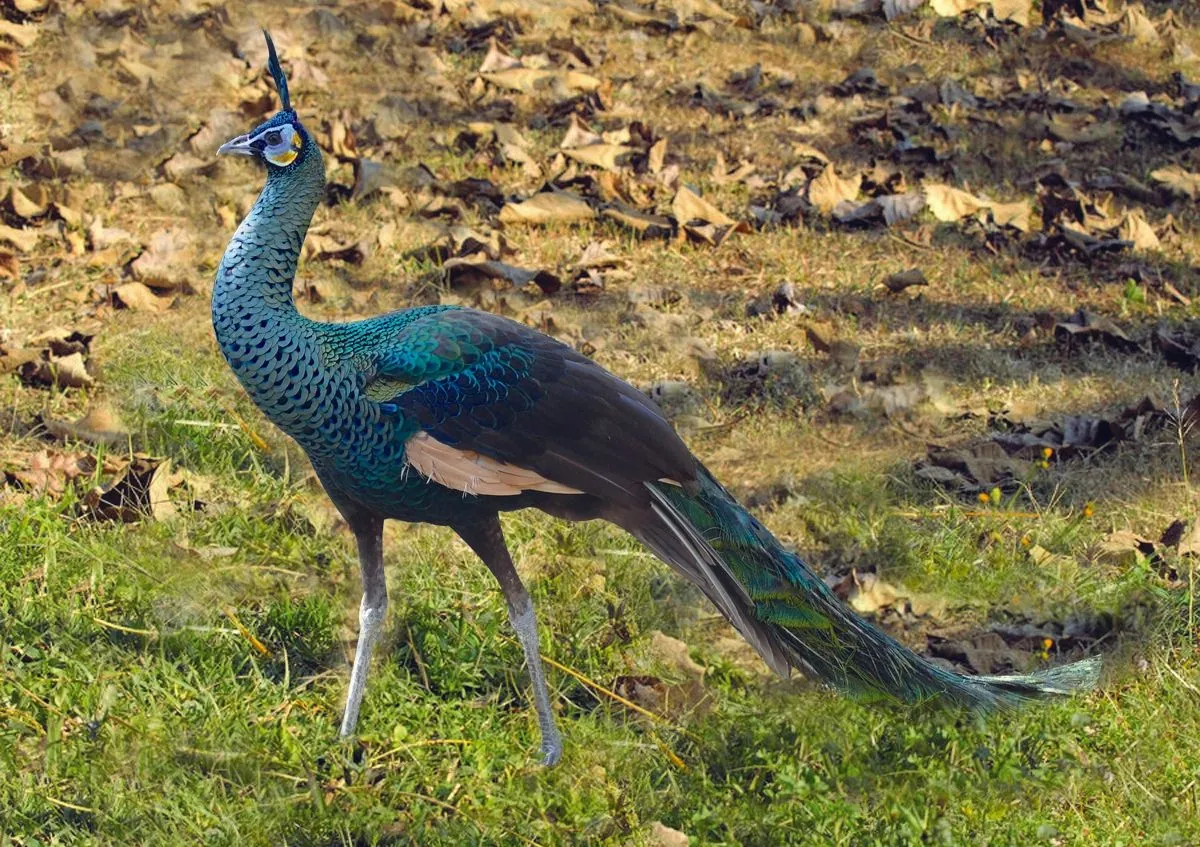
x=134, y=710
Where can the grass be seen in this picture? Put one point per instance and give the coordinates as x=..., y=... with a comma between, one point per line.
x=139, y=710
x=181, y=681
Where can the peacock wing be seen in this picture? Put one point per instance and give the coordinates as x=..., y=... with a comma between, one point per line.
x=495, y=400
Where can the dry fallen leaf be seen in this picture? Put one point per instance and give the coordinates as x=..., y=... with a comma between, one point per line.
x=951, y=204
x=166, y=263
x=50, y=473
x=1181, y=182
x=661, y=835
x=1015, y=214
x=100, y=425
x=898, y=282
x=140, y=298
x=600, y=155
x=466, y=270
x=68, y=371
x=689, y=206
x=22, y=239
x=142, y=491
x=1137, y=230
x=30, y=201
x=530, y=80
x=828, y=189
x=548, y=207
x=898, y=208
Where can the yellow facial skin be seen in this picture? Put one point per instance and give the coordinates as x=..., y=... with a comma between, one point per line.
x=283, y=159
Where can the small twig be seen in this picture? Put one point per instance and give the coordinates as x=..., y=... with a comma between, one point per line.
x=823, y=437
x=1182, y=681
x=908, y=241
x=54, y=801
x=203, y=424
x=671, y=755
x=428, y=742
x=25, y=718
x=246, y=634
x=417, y=657
x=924, y=42
x=149, y=633
x=55, y=286
x=427, y=798
x=255, y=438
x=590, y=683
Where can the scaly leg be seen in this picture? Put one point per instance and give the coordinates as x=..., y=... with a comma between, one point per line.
x=487, y=540
x=371, y=613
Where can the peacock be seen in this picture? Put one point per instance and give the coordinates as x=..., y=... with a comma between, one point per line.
x=450, y=416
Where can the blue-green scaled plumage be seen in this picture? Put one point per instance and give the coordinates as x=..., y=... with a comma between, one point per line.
x=802, y=624
x=450, y=416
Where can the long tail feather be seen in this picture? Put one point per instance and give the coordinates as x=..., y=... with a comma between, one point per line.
x=792, y=618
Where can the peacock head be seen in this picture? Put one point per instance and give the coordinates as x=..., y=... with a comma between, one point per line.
x=281, y=141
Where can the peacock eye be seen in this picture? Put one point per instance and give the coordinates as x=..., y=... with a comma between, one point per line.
x=273, y=138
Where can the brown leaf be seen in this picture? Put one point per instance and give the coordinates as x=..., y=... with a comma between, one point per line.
x=645, y=224
x=578, y=135
x=140, y=298
x=466, y=270
x=1088, y=326
x=689, y=206
x=102, y=237
x=828, y=189
x=70, y=371
x=597, y=255
x=1137, y=230
x=661, y=835
x=50, y=473
x=1083, y=130
x=321, y=245
x=1135, y=23
x=143, y=491
x=22, y=239
x=898, y=282
x=1015, y=214
x=722, y=174
x=898, y=208
x=30, y=201
x=1121, y=547
x=951, y=204
x=497, y=58
x=1016, y=11
x=548, y=207
x=657, y=156
x=1181, y=182
x=674, y=654
x=530, y=80
x=184, y=164
x=600, y=155
x=100, y=425
x=166, y=263
x=24, y=35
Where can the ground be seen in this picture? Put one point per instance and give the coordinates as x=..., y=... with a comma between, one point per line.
x=966, y=461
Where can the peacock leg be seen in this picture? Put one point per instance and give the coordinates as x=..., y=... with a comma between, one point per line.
x=487, y=540
x=371, y=614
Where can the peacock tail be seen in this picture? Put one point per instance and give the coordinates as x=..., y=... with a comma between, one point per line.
x=796, y=621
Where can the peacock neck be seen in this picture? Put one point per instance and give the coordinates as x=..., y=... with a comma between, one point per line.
x=259, y=265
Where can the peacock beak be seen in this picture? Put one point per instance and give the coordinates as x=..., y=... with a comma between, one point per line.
x=240, y=146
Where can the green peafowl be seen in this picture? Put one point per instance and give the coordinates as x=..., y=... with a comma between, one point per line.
x=450, y=416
